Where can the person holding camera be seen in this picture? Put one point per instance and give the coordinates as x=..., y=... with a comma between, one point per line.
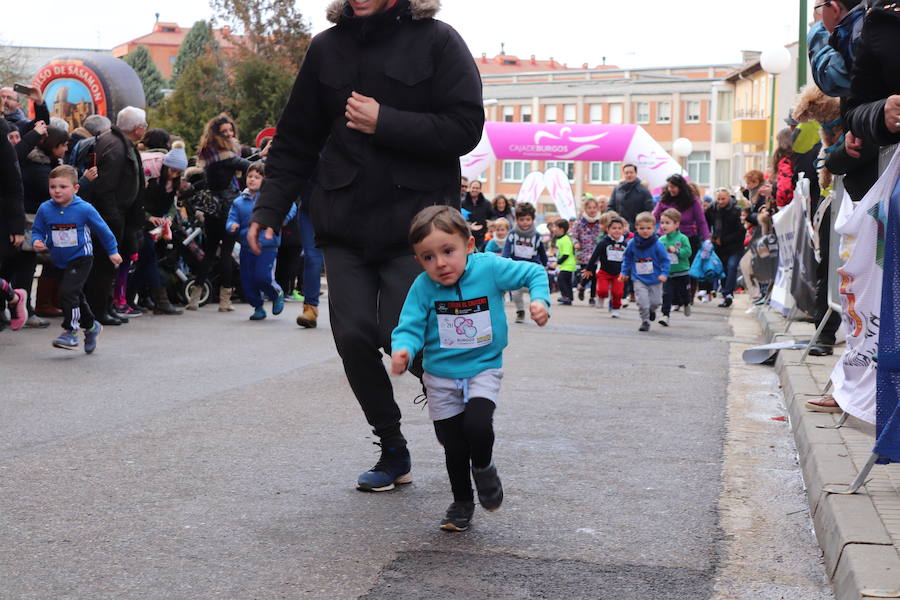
x=11, y=107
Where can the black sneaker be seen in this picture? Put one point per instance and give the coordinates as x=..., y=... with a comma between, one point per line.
x=458, y=516
x=726, y=302
x=520, y=316
x=581, y=293
x=652, y=315
x=490, y=490
x=645, y=326
x=392, y=468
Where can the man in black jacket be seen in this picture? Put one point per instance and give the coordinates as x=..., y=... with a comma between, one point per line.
x=630, y=198
x=384, y=105
x=12, y=109
x=724, y=219
x=116, y=196
x=12, y=211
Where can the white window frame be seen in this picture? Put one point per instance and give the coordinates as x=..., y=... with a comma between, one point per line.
x=620, y=119
x=510, y=169
x=695, y=165
x=568, y=167
x=596, y=173
x=570, y=113
x=664, y=116
x=509, y=114
x=642, y=118
x=690, y=117
x=596, y=113
x=550, y=113
x=525, y=111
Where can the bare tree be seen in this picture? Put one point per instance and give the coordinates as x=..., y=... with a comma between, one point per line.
x=12, y=64
x=273, y=29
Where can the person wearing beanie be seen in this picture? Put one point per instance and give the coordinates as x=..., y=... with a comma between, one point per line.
x=176, y=159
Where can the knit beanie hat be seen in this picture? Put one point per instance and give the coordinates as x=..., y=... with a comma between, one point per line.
x=176, y=158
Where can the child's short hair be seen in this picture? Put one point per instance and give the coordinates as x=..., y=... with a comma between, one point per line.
x=562, y=224
x=645, y=217
x=257, y=167
x=525, y=209
x=65, y=172
x=606, y=217
x=616, y=219
x=671, y=214
x=447, y=219
x=589, y=200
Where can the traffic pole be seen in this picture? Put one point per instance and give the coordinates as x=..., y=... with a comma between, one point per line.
x=802, y=50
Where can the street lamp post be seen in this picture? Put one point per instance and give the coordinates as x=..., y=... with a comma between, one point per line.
x=801, y=56
x=774, y=62
x=682, y=148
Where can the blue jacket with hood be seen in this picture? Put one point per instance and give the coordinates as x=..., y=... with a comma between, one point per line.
x=646, y=253
x=66, y=230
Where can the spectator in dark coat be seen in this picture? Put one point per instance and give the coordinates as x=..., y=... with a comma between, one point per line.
x=12, y=109
x=386, y=102
x=630, y=198
x=724, y=219
x=12, y=210
x=478, y=211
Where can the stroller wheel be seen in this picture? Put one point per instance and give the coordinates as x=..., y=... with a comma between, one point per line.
x=204, y=295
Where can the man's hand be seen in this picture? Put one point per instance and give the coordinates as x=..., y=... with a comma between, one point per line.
x=36, y=96
x=362, y=113
x=253, y=237
x=539, y=313
x=399, y=362
x=115, y=259
x=39, y=246
x=854, y=144
x=40, y=127
x=892, y=113
x=16, y=240
x=91, y=173
x=155, y=221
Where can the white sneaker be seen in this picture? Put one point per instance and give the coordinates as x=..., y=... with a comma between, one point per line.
x=614, y=314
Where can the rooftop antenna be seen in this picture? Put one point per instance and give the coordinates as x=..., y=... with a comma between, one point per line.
x=604, y=61
x=502, y=49
x=157, y=17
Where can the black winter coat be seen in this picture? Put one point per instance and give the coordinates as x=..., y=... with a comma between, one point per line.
x=630, y=200
x=12, y=212
x=117, y=193
x=479, y=214
x=367, y=188
x=36, y=167
x=726, y=229
x=875, y=75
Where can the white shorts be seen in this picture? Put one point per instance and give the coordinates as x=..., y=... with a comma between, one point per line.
x=446, y=396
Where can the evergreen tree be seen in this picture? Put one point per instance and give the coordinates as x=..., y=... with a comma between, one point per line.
x=261, y=89
x=201, y=93
x=151, y=78
x=197, y=42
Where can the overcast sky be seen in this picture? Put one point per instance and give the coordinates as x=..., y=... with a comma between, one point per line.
x=629, y=34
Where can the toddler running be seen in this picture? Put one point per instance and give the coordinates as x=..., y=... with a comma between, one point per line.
x=647, y=264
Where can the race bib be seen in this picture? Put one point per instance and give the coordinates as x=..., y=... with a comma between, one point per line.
x=613, y=255
x=64, y=236
x=644, y=267
x=464, y=324
x=523, y=251
x=673, y=258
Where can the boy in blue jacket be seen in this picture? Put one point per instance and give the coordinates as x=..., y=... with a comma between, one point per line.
x=64, y=225
x=257, y=272
x=647, y=263
x=454, y=313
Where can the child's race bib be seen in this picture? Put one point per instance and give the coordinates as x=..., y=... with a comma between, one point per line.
x=644, y=266
x=464, y=324
x=614, y=255
x=64, y=236
x=523, y=250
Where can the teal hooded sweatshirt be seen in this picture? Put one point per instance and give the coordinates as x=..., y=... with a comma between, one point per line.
x=462, y=328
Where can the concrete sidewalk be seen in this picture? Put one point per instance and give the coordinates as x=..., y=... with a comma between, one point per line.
x=859, y=534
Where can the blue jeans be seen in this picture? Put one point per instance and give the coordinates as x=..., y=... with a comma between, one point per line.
x=730, y=263
x=258, y=275
x=312, y=261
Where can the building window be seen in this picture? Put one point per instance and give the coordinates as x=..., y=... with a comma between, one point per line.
x=698, y=167
x=526, y=114
x=509, y=113
x=569, y=115
x=567, y=166
x=692, y=112
x=596, y=111
x=642, y=113
x=550, y=113
x=605, y=173
x=616, y=113
x=172, y=59
x=514, y=171
x=663, y=112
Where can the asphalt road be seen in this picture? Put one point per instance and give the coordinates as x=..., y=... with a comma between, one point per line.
x=206, y=456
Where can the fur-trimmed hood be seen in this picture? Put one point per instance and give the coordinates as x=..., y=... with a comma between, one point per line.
x=419, y=9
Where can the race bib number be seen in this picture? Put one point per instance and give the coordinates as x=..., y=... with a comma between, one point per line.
x=644, y=267
x=613, y=255
x=64, y=236
x=673, y=258
x=464, y=324
x=525, y=251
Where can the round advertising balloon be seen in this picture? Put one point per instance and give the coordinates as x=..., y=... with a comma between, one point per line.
x=79, y=84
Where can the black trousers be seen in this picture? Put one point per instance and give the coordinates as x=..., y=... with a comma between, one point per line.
x=18, y=269
x=287, y=266
x=564, y=280
x=468, y=441
x=364, y=301
x=98, y=287
x=217, y=240
x=76, y=310
x=676, y=291
x=829, y=334
x=583, y=283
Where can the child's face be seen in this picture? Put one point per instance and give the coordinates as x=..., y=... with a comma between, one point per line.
x=591, y=209
x=666, y=225
x=501, y=230
x=525, y=222
x=62, y=190
x=254, y=181
x=443, y=255
x=645, y=229
x=615, y=230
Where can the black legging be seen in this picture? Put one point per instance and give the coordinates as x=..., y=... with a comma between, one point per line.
x=216, y=239
x=19, y=269
x=287, y=266
x=468, y=440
